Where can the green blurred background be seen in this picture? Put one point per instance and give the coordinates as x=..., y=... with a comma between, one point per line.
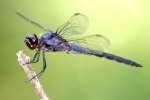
x=76, y=77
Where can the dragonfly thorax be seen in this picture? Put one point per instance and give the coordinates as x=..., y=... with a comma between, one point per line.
x=53, y=42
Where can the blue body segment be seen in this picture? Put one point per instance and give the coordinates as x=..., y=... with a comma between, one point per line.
x=47, y=36
x=78, y=49
x=109, y=56
x=53, y=42
x=118, y=59
x=50, y=39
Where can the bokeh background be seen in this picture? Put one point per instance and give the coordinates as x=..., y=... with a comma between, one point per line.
x=76, y=77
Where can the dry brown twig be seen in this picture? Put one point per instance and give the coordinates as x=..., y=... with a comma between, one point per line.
x=23, y=59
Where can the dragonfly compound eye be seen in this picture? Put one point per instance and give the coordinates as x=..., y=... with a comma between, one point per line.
x=31, y=41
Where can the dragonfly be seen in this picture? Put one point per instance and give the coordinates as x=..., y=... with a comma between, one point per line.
x=70, y=37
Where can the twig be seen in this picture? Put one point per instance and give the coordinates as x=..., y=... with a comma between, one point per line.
x=23, y=59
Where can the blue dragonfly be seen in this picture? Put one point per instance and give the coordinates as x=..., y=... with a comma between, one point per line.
x=70, y=38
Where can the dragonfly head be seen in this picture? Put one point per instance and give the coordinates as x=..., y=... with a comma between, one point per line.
x=31, y=41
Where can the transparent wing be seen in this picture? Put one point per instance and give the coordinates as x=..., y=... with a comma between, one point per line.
x=77, y=24
x=94, y=42
x=32, y=22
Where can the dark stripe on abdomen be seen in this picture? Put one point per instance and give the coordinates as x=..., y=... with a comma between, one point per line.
x=118, y=59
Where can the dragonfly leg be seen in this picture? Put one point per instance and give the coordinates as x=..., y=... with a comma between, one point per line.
x=43, y=66
x=35, y=58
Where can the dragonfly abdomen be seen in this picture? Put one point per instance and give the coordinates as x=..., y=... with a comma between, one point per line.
x=109, y=56
x=118, y=59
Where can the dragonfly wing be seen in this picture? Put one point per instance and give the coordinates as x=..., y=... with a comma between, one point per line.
x=77, y=24
x=32, y=22
x=95, y=42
